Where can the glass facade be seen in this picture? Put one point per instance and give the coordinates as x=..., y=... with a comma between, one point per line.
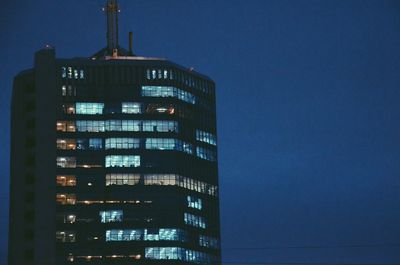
x=118, y=158
x=118, y=125
x=206, y=137
x=89, y=108
x=177, y=253
x=131, y=108
x=65, y=198
x=122, y=179
x=206, y=154
x=194, y=220
x=111, y=216
x=160, y=126
x=90, y=126
x=168, y=91
x=168, y=144
x=95, y=144
x=194, y=202
x=65, y=236
x=66, y=180
x=150, y=234
x=122, y=161
x=184, y=182
x=122, y=143
x=208, y=242
x=66, y=162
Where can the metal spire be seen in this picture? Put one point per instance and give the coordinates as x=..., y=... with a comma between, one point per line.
x=112, y=27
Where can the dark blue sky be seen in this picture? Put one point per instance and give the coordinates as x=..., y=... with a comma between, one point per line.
x=308, y=107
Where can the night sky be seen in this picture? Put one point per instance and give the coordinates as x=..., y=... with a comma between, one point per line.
x=308, y=112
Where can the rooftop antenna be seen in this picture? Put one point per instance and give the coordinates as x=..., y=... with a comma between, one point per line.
x=112, y=11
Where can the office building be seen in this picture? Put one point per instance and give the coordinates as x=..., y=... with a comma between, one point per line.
x=113, y=160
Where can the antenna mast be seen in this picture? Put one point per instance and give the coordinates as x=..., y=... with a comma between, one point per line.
x=112, y=27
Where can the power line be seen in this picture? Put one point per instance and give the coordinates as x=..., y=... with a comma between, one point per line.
x=314, y=247
x=302, y=263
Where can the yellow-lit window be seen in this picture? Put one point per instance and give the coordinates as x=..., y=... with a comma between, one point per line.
x=66, y=180
x=69, y=108
x=66, y=198
x=66, y=144
x=65, y=236
x=65, y=126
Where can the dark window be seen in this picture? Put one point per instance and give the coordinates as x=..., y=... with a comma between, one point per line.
x=30, y=88
x=31, y=124
x=30, y=197
x=30, y=160
x=30, y=178
x=29, y=234
x=30, y=142
x=30, y=106
x=29, y=254
x=29, y=216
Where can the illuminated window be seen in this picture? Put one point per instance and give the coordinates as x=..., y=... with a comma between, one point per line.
x=89, y=144
x=65, y=198
x=66, y=144
x=206, y=137
x=95, y=143
x=66, y=180
x=194, y=202
x=168, y=144
x=147, y=234
x=66, y=218
x=63, y=90
x=88, y=258
x=208, y=242
x=160, y=126
x=161, y=143
x=89, y=108
x=65, y=236
x=72, y=73
x=122, y=143
x=66, y=162
x=172, y=253
x=69, y=72
x=184, y=182
x=159, y=74
x=131, y=108
x=71, y=90
x=111, y=216
x=90, y=126
x=65, y=126
x=122, y=161
x=63, y=72
x=123, y=125
x=161, y=108
x=122, y=179
x=124, y=235
x=206, y=154
x=168, y=91
x=69, y=108
x=194, y=220
x=70, y=218
x=137, y=126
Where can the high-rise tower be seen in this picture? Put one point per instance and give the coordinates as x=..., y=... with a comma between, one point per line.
x=113, y=161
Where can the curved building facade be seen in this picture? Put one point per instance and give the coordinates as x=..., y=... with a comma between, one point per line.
x=113, y=161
